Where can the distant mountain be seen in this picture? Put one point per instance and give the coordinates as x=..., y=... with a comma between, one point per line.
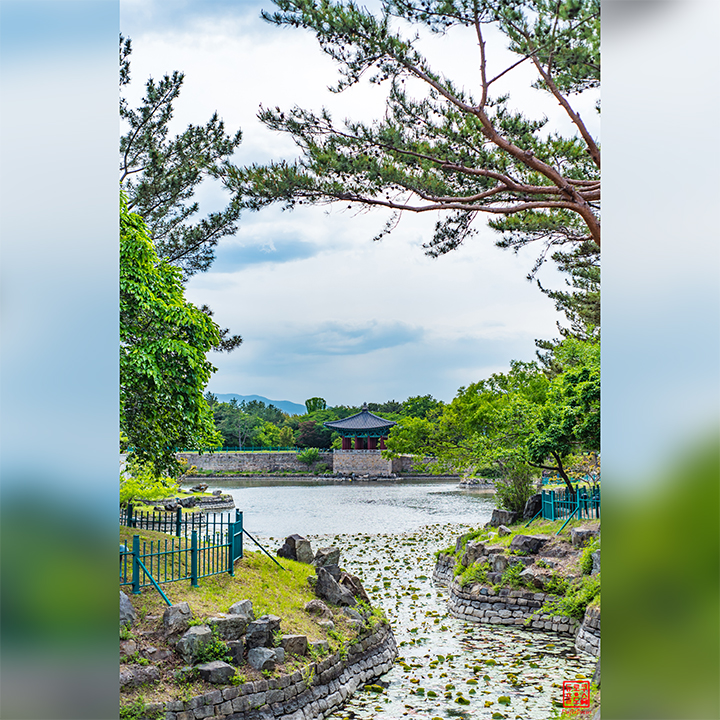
x=284, y=405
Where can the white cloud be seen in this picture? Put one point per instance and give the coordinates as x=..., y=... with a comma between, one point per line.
x=323, y=310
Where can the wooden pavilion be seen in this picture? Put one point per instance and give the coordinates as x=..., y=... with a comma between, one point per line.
x=362, y=431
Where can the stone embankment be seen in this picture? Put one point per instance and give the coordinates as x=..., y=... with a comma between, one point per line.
x=481, y=598
x=315, y=692
x=588, y=638
x=257, y=646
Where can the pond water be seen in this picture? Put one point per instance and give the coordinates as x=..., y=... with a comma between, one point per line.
x=388, y=534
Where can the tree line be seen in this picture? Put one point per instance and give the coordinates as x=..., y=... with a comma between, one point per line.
x=255, y=424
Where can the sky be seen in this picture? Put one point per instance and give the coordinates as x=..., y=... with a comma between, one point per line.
x=322, y=309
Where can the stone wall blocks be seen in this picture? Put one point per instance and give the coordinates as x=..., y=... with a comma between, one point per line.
x=187, y=715
x=225, y=708
x=204, y=711
x=240, y=704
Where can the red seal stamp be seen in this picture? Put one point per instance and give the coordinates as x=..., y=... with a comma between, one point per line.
x=576, y=694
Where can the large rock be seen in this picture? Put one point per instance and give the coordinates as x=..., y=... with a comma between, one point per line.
x=229, y=627
x=136, y=675
x=176, y=618
x=127, y=612
x=297, y=548
x=260, y=632
x=532, y=506
x=580, y=536
x=474, y=550
x=354, y=585
x=196, y=638
x=318, y=608
x=499, y=563
x=127, y=648
x=502, y=517
x=261, y=658
x=236, y=648
x=596, y=562
x=216, y=672
x=327, y=588
x=294, y=644
x=532, y=579
x=527, y=543
x=244, y=608
x=327, y=556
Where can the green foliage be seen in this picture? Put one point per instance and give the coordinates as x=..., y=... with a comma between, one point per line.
x=163, y=343
x=139, y=481
x=137, y=711
x=314, y=404
x=511, y=576
x=475, y=573
x=513, y=492
x=438, y=146
x=556, y=584
x=575, y=598
x=586, y=561
x=308, y=455
x=161, y=173
x=216, y=649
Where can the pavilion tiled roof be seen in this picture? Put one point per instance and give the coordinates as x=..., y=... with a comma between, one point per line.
x=362, y=421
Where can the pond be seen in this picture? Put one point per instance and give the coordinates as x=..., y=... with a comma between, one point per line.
x=388, y=534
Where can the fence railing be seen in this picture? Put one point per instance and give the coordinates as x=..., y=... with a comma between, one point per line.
x=176, y=522
x=211, y=550
x=560, y=504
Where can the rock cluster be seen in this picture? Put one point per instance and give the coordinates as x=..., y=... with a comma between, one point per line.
x=481, y=602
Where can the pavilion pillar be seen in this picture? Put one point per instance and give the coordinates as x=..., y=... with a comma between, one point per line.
x=372, y=443
x=358, y=443
x=346, y=443
x=382, y=443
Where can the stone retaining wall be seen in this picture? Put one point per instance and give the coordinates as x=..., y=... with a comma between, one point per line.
x=314, y=693
x=588, y=637
x=444, y=569
x=484, y=604
x=253, y=461
x=363, y=462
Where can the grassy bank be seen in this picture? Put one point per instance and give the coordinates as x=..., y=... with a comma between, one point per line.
x=272, y=590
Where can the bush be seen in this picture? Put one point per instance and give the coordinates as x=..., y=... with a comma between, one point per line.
x=476, y=573
x=308, y=455
x=586, y=561
x=576, y=599
x=512, y=493
x=215, y=650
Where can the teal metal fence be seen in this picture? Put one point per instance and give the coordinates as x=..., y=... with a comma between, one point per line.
x=562, y=504
x=210, y=550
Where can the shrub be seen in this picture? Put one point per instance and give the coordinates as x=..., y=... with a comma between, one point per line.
x=474, y=574
x=308, y=455
x=586, y=561
x=576, y=599
x=511, y=576
x=512, y=493
x=216, y=649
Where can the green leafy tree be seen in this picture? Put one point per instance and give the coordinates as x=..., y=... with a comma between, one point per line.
x=314, y=404
x=519, y=422
x=287, y=437
x=160, y=175
x=163, y=343
x=439, y=147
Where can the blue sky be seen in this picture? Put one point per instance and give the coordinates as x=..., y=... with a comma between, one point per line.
x=322, y=309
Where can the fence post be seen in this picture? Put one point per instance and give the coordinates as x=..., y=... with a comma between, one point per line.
x=194, y=559
x=178, y=521
x=128, y=517
x=136, y=565
x=238, y=550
